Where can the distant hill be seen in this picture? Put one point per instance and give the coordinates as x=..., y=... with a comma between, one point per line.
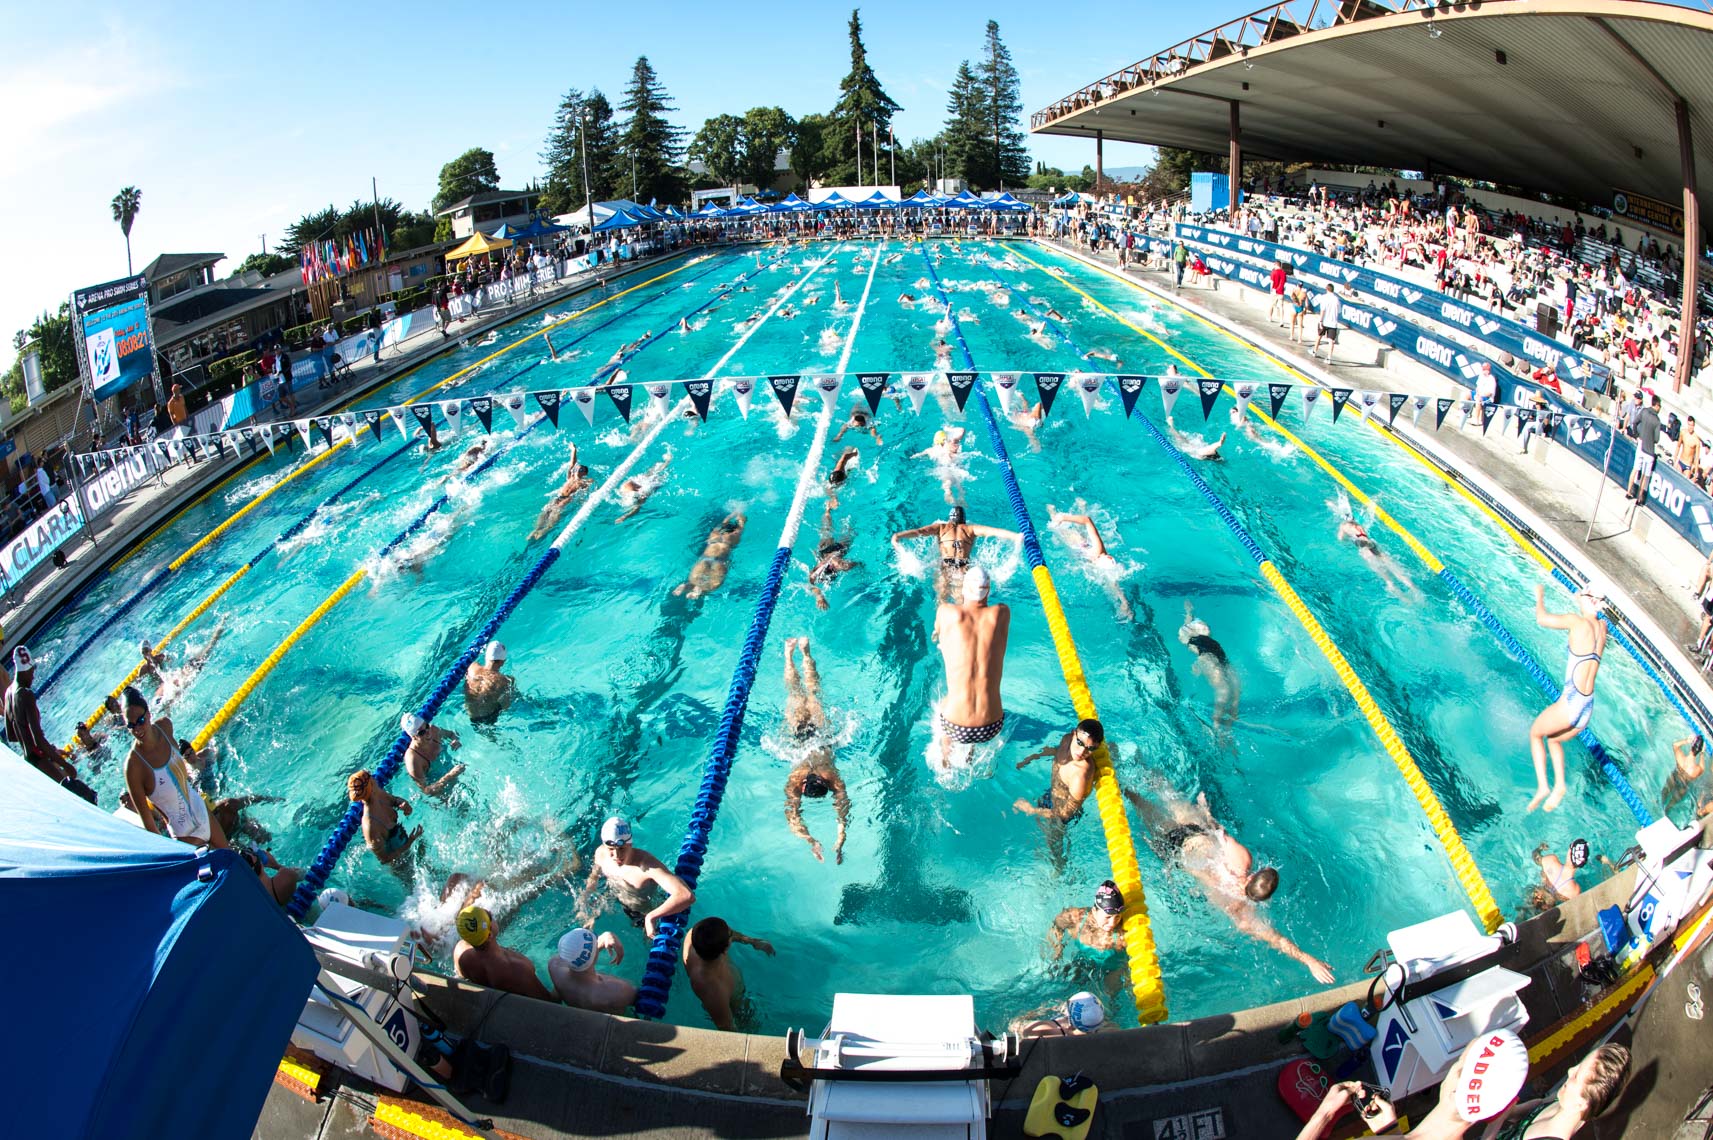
x=1125, y=173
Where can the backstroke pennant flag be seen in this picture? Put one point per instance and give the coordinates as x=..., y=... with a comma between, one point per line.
x=659, y=396
x=1340, y=397
x=961, y=383
x=1209, y=390
x=515, y=404
x=267, y=434
x=829, y=386
x=584, y=398
x=1005, y=383
x=1396, y=401
x=916, y=387
x=324, y=425
x=1311, y=401
x=453, y=410
x=873, y=388
x=1276, y=396
x=1129, y=388
x=743, y=391
x=402, y=420
x=1419, y=403
x=1047, y=387
x=302, y=427
x=372, y=417
x=1369, y=401
x=1088, y=387
x=1441, y=406
x=785, y=391
x=701, y=393
x=349, y=419
x=619, y=394
x=1245, y=392
x=1170, y=386
x=483, y=406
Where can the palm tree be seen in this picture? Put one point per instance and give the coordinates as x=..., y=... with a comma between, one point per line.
x=126, y=203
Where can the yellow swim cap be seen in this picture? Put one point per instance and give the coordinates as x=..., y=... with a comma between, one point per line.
x=939, y=438
x=475, y=925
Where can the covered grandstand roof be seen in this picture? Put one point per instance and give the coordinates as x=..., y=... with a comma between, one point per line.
x=1568, y=95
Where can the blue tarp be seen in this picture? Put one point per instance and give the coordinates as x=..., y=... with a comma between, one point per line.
x=618, y=220
x=834, y=201
x=145, y=1001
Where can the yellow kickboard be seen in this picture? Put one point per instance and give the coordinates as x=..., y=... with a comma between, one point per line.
x=1061, y=1108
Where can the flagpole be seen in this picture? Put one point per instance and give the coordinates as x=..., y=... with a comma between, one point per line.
x=858, y=125
x=892, y=154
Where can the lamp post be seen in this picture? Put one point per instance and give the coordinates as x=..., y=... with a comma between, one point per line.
x=588, y=188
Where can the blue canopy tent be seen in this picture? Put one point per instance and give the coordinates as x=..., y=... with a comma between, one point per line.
x=1006, y=202
x=834, y=201
x=965, y=201
x=619, y=220
x=154, y=989
x=924, y=199
x=877, y=201
x=1070, y=199
x=673, y=212
x=790, y=204
x=506, y=232
x=709, y=210
x=538, y=228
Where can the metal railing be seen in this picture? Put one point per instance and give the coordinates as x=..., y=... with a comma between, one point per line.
x=1264, y=26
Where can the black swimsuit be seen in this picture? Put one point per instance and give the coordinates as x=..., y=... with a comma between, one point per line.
x=1176, y=837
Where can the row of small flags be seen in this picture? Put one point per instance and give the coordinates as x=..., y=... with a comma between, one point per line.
x=319, y=260
x=875, y=386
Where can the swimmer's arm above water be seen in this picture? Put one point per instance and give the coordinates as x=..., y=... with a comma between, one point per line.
x=678, y=898
x=1033, y=756
x=981, y=531
x=1543, y=618
x=917, y=532
x=1247, y=921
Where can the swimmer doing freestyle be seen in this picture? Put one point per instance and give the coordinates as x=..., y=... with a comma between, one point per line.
x=709, y=572
x=576, y=481
x=815, y=775
x=1396, y=581
x=956, y=540
x=972, y=636
x=1081, y=532
x=633, y=493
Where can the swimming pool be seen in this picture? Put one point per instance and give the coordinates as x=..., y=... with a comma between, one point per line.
x=941, y=887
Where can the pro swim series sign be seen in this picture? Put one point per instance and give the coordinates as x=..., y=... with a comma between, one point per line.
x=113, y=321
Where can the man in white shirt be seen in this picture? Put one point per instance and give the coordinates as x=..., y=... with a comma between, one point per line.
x=1330, y=309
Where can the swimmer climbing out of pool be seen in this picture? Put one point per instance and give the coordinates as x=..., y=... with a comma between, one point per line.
x=1568, y=715
x=709, y=572
x=972, y=635
x=1213, y=666
x=815, y=775
x=1396, y=581
x=1081, y=532
x=633, y=493
x=1096, y=934
x=1186, y=833
x=427, y=741
x=956, y=540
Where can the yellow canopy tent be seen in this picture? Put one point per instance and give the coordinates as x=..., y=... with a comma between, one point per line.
x=478, y=243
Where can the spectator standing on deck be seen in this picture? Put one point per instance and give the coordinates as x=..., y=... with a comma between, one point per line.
x=1647, y=440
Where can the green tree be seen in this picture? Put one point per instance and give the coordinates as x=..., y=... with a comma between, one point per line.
x=649, y=146
x=401, y=229
x=719, y=146
x=1004, y=105
x=59, y=357
x=766, y=132
x=267, y=264
x=863, y=106
x=583, y=122
x=470, y=173
x=968, y=153
x=126, y=203
x=808, y=158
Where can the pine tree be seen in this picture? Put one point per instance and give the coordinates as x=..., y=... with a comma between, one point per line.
x=563, y=153
x=968, y=149
x=649, y=146
x=1008, y=152
x=863, y=106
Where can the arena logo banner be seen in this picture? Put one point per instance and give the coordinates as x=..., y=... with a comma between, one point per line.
x=873, y=388
x=1277, y=394
x=113, y=484
x=324, y=425
x=483, y=406
x=784, y=390
x=1396, y=401
x=1209, y=391
x=961, y=383
x=701, y=394
x=619, y=394
x=1340, y=397
x=40, y=539
x=1047, y=386
x=113, y=323
x=1129, y=389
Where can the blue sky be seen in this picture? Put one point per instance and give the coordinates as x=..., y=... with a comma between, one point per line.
x=237, y=119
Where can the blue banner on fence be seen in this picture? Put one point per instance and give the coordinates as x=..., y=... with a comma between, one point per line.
x=1500, y=334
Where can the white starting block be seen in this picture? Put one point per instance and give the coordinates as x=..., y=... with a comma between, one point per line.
x=1440, y=1000
x=889, y=1066
x=1672, y=877
x=372, y=942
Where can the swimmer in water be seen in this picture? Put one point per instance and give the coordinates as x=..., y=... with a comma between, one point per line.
x=972, y=637
x=1103, y=354
x=1070, y=785
x=426, y=743
x=907, y=300
x=942, y=353
x=174, y=683
x=956, y=541
x=632, y=875
x=472, y=456
x=947, y=453
x=1558, y=876
x=1028, y=421
x=842, y=468
x=1081, y=532
x=1187, y=834
x=830, y=560
x=709, y=572
x=1195, y=446
x=1096, y=934
x=1397, y=583
x=1214, y=667
x=576, y=481
x=683, y=324
x=861, y=420
x=633, y=493
x=814, y=775
x=488, y=691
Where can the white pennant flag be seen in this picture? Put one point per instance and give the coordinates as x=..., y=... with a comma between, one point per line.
x=1006, y=384
x=303, y=430
x=1464, y=408
x=1311, y=401
x=268, y=438
x=916, y=387
x=232, y=441
x=829, y=386
x=743, y=389
x=1170, y=386
x=584, y=398
x=659, y=397
x=1245, y=392
x=513, y=402
x=453, y=410
x=1370, y=401
x=349, y=419
x=398, y=417
x=1088, y=387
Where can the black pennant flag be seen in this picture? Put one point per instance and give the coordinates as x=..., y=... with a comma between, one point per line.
x=324, y=425
x=1486, y=417
x=1340, y=397
x=1209, y=390
x=1047, y=386
x=618, y=393
x=785, y=388
x=424, y=414
x=701, y=393
x=1130, y=387
x=873, y=388
x=483, y=406
x=1276, y=395
x=1395, y=401
x=372, y=417
x=1440, y=407
x=961, y=383
x=548, y=402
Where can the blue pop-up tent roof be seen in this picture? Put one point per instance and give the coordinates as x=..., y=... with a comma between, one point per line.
x=834, y=201
x=878, y=201
x=153, y=990
x=790, y=204
x=965, y=201
x=1006, y=202
x=923, y=198
x=618, y=220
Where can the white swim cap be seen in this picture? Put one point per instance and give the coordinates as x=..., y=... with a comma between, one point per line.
x=975, y=584
x=1195, y=627
x=577, y=948
x=1085, y=1012
x=412, y=725
x=1490, y=1076
x=615, y=832
x=494, y=653
x=329, y=896
x=1595, y=589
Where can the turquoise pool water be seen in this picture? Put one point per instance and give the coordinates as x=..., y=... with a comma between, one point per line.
x=941, y=888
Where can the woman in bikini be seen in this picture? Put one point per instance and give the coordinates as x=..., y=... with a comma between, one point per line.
x=1568, y=715
x=158, y=779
